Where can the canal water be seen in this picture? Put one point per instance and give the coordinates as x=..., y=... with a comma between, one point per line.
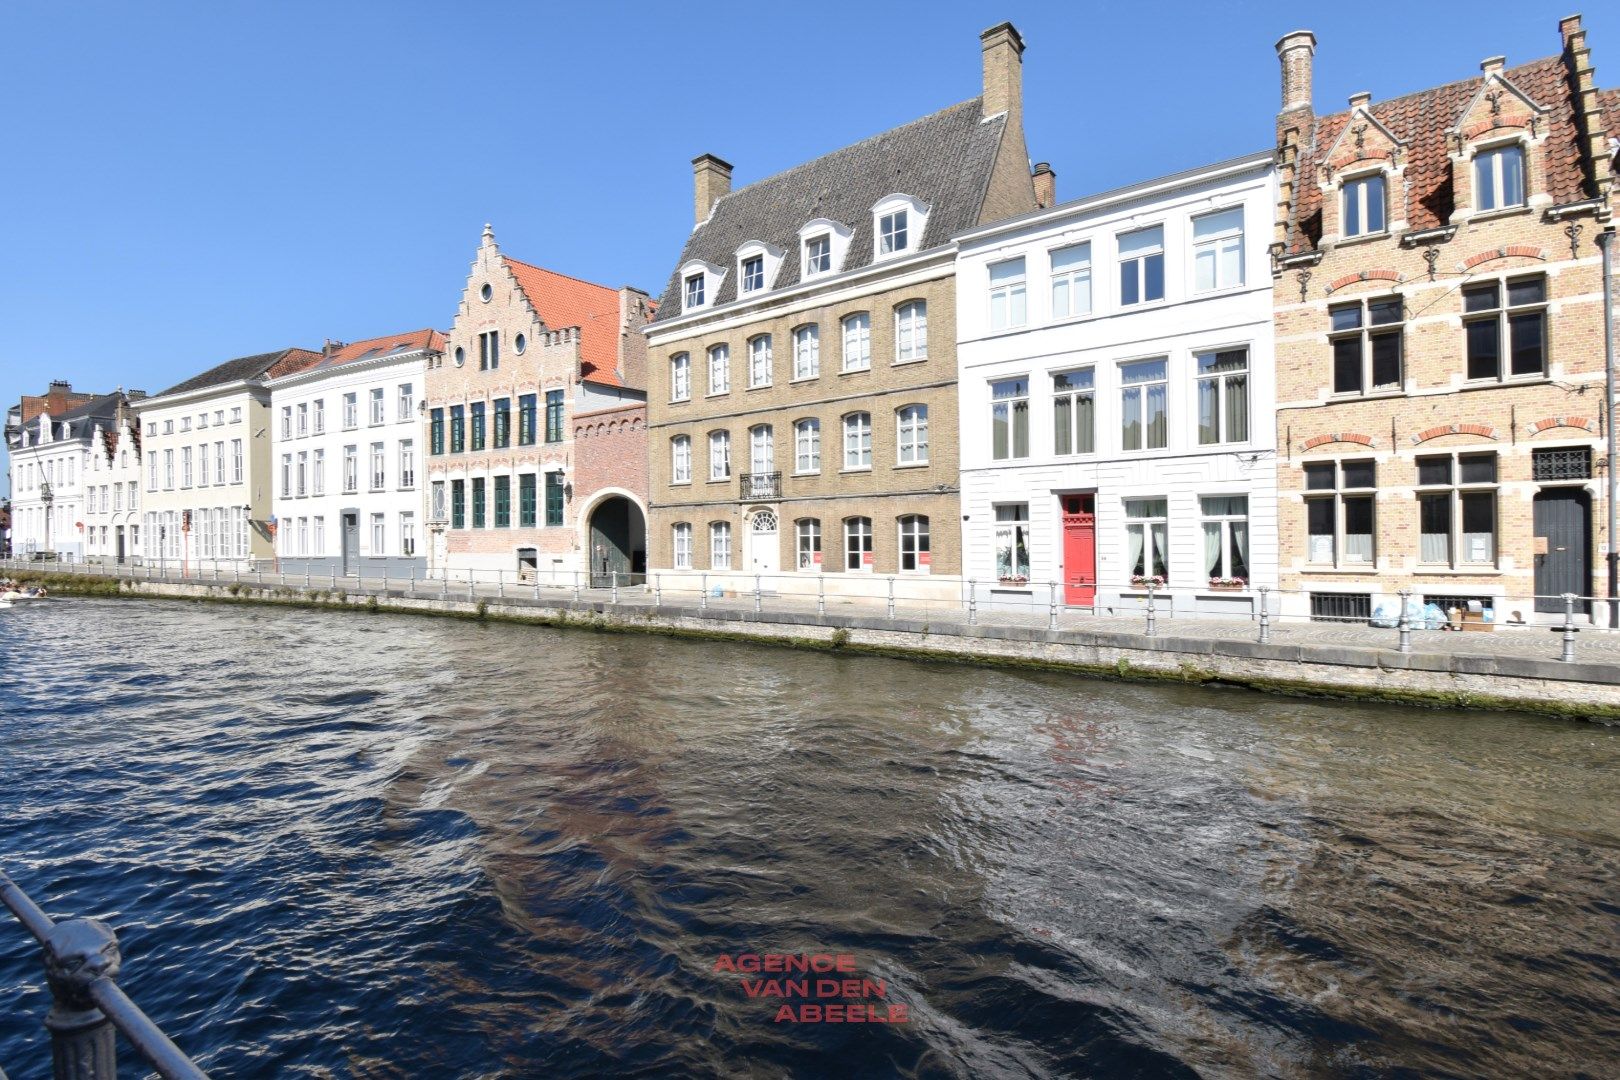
x=381, y=846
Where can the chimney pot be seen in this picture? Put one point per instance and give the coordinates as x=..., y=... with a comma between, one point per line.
x=1003, y=49
x=1295, y=50
x=1045, y=185
x=1492, y=65
x=711, y=179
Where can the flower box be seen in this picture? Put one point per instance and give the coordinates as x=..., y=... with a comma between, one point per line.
x=1142, y=581
x=1228, y=584
x=1015, y=581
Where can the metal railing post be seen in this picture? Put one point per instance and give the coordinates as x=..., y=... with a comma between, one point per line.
x=472, y=578
x=537, y=587
x=444, y=585
x=1152, y=614
x=1568, y=654
x=1265, y=615
x=500, y=584
x=973, y=602
x=1404, y=624
x=821, y=595
x=1051, y=607
x=306, y=575
x=84, y=1045
x=334, y=578
x=576, y=586
x=758, y=606
x=703, y=593
x=891, y=597
x=615, y=594
x=658, y=590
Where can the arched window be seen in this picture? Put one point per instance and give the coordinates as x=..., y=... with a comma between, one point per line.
x=759, y=361
x=720, y=369
x=807, y=542
x=680, y=377
x=680, y=448
x=858, y=545
x=857, y=341
x=761, y=449
x=765, y=521
x=682, y=537
x=858, y=441
x=807, y=352
x=911, y=332
x=911, y=423
x=914, y=552
x=807, y=446
x=720, y=545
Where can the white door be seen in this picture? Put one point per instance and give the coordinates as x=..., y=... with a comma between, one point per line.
x=762, y=548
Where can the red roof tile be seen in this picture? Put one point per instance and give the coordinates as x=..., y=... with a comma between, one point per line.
x=390, y=343
x=563, y=301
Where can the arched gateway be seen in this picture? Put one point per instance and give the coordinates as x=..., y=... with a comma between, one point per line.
x=618, y=542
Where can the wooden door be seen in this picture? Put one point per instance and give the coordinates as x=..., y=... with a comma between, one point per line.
x=1079, y=550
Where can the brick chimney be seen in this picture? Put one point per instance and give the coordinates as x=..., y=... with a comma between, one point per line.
x=711, y=178
x=1004, y=73
x=1296, y=51
x=1045, y=184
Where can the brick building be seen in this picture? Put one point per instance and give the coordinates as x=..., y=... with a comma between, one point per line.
x=802, y=411
x=1439, y=337
x=536, y=418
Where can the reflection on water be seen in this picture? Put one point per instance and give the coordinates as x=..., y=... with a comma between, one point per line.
x=379, y=846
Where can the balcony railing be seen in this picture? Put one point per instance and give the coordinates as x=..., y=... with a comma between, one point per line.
x=762, y=485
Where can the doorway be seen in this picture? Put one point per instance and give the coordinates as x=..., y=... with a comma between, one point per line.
x=351, y=544
x=1563, y=530
x=118, y=540
x=1079, y=550
x=618, y=539
x=763, y=551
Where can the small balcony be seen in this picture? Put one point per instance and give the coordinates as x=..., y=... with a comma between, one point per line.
x=761, y=485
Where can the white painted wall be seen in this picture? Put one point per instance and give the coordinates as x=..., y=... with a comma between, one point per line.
x=59, y=463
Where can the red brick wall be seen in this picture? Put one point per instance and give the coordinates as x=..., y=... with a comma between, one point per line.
x=610, y=451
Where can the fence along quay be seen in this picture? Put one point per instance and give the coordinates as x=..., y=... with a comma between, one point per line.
x=1503, y=658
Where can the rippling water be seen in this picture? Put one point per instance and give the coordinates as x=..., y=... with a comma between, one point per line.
x=384, y=846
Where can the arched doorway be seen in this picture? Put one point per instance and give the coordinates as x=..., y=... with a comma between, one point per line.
x=618, y=543
x=763, y=543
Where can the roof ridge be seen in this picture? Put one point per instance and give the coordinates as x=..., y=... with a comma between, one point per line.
x=977, y=100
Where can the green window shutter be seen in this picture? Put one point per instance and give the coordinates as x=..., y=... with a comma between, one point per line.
x=526, y=505
x=554, y=498
x=478, y=503
x=458, y=504
x=503, y=502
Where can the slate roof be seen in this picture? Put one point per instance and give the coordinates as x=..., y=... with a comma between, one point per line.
x=372, y=348
x=564, y=301
x=81, y=421
x=1421, y=121
x=262, y=365
x=944, y=159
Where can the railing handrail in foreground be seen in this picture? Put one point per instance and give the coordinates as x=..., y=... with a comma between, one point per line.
x=81, y=963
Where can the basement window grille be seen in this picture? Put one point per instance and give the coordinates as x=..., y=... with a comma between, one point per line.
x=1341, y=607
x=1561, y=463
x=1446, y=602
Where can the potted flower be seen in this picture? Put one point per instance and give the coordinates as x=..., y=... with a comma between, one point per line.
x=1016, y=579
x=1144, y=580
x=1230, y=584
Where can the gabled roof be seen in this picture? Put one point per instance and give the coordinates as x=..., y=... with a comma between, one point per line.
x=261, y=365
x=1420, y=121
x=562, y=301
x=944, y=159
x=80, y=421
x=387, y=345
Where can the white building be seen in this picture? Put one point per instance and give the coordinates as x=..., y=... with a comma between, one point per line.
x=112, y=496
x=50, y=459
x=1117, y=397
x=206, y=454
x=347, y=444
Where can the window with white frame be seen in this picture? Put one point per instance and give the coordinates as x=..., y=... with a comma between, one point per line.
x=351, y=468
x=680, y=451
x=407, y=463
x=236, y=414
x=436, y=502
x=219, y=462
x=759, y=361
x=1074, y=412
x=236, y=461
x=379, y=467
x=753, y=273
x=351, y=411
x=1147, y=540
x=1514, y=331
x=807, y=543
x=151, y=472
x=406, y=402
x=489, y=350
x=302, y=485
x=1367, y=341
x=1363, y=202
x=893, y=232
x=1456, y=496
x=694, y=291
x=680, y=377
x=1012, y=543
x=807, y=352
x=858, y=441
x=1008, y=304
x=1339, y=512
x=911, y=331
x=303, y=419
x=857, y=341
x=202, y=465
x=286, y=476
x=379, y=534
x=761, y=449
x=1009, y=419
x=318, y=424
x=719, y=455
x=317, y=473
x=682, y=533
x=1226, y=538
x=379, y=408
x=286, y=421
x=185, y=466
x=1218, y=250
x=858, y=545
x=911, y=424
x=1071, y=281
x=817, y=255
x=407, y=533
x=720, y=545
x=1144, y=416
x=1141, y=266
x=915, y=555
x=720, y=369
x=1223, y=396
x=807, y=445
x=1499, y=177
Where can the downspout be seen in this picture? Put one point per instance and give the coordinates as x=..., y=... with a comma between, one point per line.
x=1605, y=241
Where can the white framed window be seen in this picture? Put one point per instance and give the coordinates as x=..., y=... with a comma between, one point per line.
x=911, y=331
x=857, y=341
x=219, y=462
x=436, y=503
x=405, y=405
x=286, y=476
x=893, y=232
x=807, y=352
x=720, y=545
x=719, y=455
x=407, y=464
x=319, y=419
x=858, y=441
x=379, y=534
x=807, y=445
x=1340, y=511
x=351, y=468
x=1506, y=321
x=236, y=414
x=759, y=361
x=1499, y=177
x=286, y=422
x=1141, y=266
x=1074, y=412
x=1144, y=412
x=1218, y=250
x=151, y=472
x=1008, y=304
x=407, y=533
x=1147, y=540
x=694, y=292
x=1012, y=543
x=1009, y=419
x=185, y=467
x=1223, y=396
x=303, y=419
x=680, y=467
x=753, y=273
x=761, y=449
x=720, y=369
x=489, y=350
x=682, y=536
x=379, y=467
x=915, y=555
x=818, y=255
x=1226, y=538
x=1363, y=204
x=1456, y=495
x=317, y=473
x=807, y=544
x=1071, y=281
x=911, y=434
x=379, y=410
x=680, y=377
x=351, y=411
x=302, y=486
x=236, y=461
x=858, y=545
x=202, y=465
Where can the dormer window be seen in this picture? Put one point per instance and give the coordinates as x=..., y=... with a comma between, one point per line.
x=823, y=243
x=817, y=255
x=753, y=274
x=1499, y=177
x=694, y=291
x=892, y=232
x=700, y=284
x=898, y=224
x=1364, y=205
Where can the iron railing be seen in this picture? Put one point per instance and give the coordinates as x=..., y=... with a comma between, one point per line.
x=762, y=485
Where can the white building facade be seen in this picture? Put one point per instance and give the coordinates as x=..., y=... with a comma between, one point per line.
x=347, y=446
x=1117, y=398
x=112, y=496
x=50, y=462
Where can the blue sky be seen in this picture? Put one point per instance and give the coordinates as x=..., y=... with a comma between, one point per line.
x=186, y=183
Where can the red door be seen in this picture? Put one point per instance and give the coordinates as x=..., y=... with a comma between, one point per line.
x=1079, y=550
